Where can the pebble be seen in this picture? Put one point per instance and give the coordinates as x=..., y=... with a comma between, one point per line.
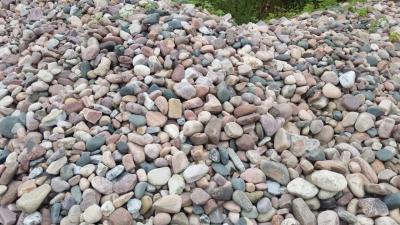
x=159, y=176
x=347, y=79
x=92, y=214
x=275, y=171
x=195, y=172
x=328, y=180
x=373, y=207
x=302, y=188
x=168, y=204
x=31, y=201
x=33, y=219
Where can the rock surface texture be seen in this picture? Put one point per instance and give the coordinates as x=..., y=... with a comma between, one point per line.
x=152, y=112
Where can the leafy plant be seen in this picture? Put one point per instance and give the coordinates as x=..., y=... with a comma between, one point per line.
x=244, y=11
x=373, y=26
x=363, y=12
x=394, y=36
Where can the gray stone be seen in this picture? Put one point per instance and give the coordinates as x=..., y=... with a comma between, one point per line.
x=276, y=171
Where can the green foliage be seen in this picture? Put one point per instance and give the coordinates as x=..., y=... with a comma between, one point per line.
x=244, y=11
x=363, y=12
x=373, y=26
x=151, y=5
x=394, y=36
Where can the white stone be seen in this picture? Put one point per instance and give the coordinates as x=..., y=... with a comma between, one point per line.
x=159, y=176
x=347, y=79
x=302, y=188
x=92, y=214
x=328, y=180
x=195, y=172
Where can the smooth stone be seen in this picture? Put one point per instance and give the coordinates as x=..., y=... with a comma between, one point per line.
x=302, y=212
x=92, y=214
x=276, y=171
x=134, y=206
x=392, y=200
x=364, y=122
x=195, y=172
x=102, y=185
x=302, y=188
x=31, y=201
x=264, y=205
x=242, y=200
x=328, y=180
x=168, y=204
x=253, y=175
x=347, y=79
x=328, y=217
x=159, y=176
x=95, y=143
x=373, y=207
x=121, y=216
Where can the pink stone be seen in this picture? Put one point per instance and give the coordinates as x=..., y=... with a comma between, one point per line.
x=7, y=217
x=253, y=175
x=155, y=119
x=91, y=115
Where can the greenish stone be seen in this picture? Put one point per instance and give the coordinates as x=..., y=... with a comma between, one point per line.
x=95, y=143
x=221, y=169
x=252, y=214
x=242, y=200
x=315, y=155
x=168, y=94
x=238, y=184
x=223, y=93
x=66, y=172
x=3, y=155
x=198, y=210
x=303, y=44
x=372, y=132
x=55, y=213
x=257, y=79
x=85, y=68
x=245, y=41
x=392, y=200
x=376, y=111
x=84, y=159
x=131, y=89
x=119, y=49
x=214, y=155
x=337, y=115
x=175, y=24
x=372, y=60
x=151, y=19
x=237, y=45
x=123, y=147
x=147, y=166
x=283, y=57
x=365, y=48
x=76, y=193
x=254, y=196
x=137, y=120
x=384, y=154
x=180, y=219
x=205, y=62
x=140, y=189
x=224, y=155
x=6, y=125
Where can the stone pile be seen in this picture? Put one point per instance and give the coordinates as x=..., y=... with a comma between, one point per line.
x=148, y=112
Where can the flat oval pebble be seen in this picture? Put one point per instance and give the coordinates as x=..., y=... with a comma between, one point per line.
x=328, y=180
